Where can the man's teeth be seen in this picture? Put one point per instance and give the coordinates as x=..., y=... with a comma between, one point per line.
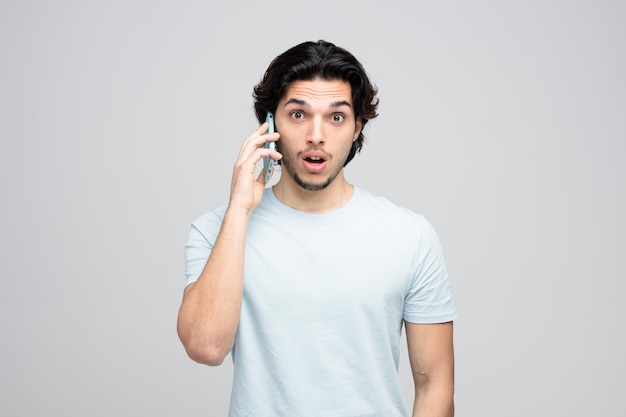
x=314, y=159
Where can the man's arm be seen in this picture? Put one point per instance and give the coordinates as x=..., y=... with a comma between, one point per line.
x=209, y=313
x=431, y=354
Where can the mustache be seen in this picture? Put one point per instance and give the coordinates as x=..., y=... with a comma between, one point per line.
x=312, y=148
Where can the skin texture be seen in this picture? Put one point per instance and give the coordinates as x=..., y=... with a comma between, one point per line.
x=431, y=354
x=317, y=126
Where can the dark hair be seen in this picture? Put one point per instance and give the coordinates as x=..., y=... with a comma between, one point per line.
x=308, y=61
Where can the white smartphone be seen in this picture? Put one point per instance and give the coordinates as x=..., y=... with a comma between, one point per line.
x=268, y=163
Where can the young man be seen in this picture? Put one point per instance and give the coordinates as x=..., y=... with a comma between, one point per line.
x=307, y=284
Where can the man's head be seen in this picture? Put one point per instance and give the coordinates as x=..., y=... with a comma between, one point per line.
x=311, y=60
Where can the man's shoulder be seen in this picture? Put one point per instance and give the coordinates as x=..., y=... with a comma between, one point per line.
x=383, y=205
x=210, y=218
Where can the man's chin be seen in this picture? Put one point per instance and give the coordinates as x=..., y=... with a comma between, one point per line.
x=312, y=186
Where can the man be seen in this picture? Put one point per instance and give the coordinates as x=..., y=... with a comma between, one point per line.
x=307, y=284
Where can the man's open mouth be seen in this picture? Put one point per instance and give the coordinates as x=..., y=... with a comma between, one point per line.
x=314, y=161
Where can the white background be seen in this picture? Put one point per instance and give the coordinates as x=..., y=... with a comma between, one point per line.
x=501, y=121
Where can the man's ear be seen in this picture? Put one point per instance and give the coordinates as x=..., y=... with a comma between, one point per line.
x=358, y=125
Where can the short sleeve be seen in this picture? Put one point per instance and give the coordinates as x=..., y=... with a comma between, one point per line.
x=200, y=240
x=429, y=298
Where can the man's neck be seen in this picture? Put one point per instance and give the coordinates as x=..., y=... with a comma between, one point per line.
x=334, y=196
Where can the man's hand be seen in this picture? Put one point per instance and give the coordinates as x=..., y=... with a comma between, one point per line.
x=245, y=191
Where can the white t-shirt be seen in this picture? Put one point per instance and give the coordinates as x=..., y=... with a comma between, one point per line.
x=324, y=299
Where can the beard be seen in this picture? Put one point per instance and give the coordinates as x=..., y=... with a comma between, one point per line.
x=287, y=165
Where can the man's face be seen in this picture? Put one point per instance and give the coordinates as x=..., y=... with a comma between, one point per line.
x=317, y=127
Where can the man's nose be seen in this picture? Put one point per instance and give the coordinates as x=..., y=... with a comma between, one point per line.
x=316, y=131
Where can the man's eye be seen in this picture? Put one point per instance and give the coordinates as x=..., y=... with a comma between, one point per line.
x=338, y=117
x=297, y=115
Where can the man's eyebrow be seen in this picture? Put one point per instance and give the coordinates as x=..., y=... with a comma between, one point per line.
x=340, y=103
x=295, y=101
x=333, y=105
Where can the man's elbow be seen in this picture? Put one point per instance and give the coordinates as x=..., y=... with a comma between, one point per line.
x=432, y=392
x=206, y=353
x=201, y=348
x=206, y=358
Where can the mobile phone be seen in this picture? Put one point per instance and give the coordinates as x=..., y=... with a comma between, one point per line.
x=268, y=163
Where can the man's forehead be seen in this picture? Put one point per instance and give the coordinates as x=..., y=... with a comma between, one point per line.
x=318, y=90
